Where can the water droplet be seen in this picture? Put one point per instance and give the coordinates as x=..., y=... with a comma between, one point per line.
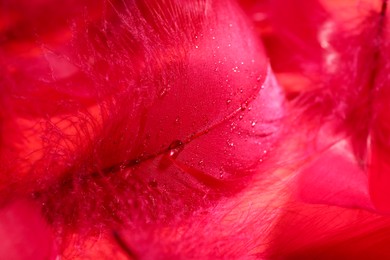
x=163, y=92
x=175, y=147
x=235, y=69
x=265, y=151
x=221, y=172
x=177, y=120
x=259, y=78
x=124, y=166
x=130, y=163
x=231, y=144
x=173, y=152
x=241, y=117
x=196, y=46
x=253, y=123
x=228, y=101
x=213, y=38
x=200, y=163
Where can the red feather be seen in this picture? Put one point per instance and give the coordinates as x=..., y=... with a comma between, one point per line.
x=340, y=114
x=290, y=30
x=144, y=116
x=24, y=232
x=353, y=99
x=156, y=129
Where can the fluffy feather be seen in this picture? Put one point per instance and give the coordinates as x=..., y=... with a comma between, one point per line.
x=340, y=114
x=136, y=119
x=353, y=101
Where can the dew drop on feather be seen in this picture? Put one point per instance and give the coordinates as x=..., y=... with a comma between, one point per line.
x=175, y=148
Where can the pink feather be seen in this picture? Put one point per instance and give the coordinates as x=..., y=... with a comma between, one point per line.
x=139, y=117
x=341, y=117
x=157, y=129
x=352, y=99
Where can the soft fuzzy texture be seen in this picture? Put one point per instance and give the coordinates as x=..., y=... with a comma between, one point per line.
x=353, y=103
x=158, y=130
x=133, y=120
x=339, y=98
